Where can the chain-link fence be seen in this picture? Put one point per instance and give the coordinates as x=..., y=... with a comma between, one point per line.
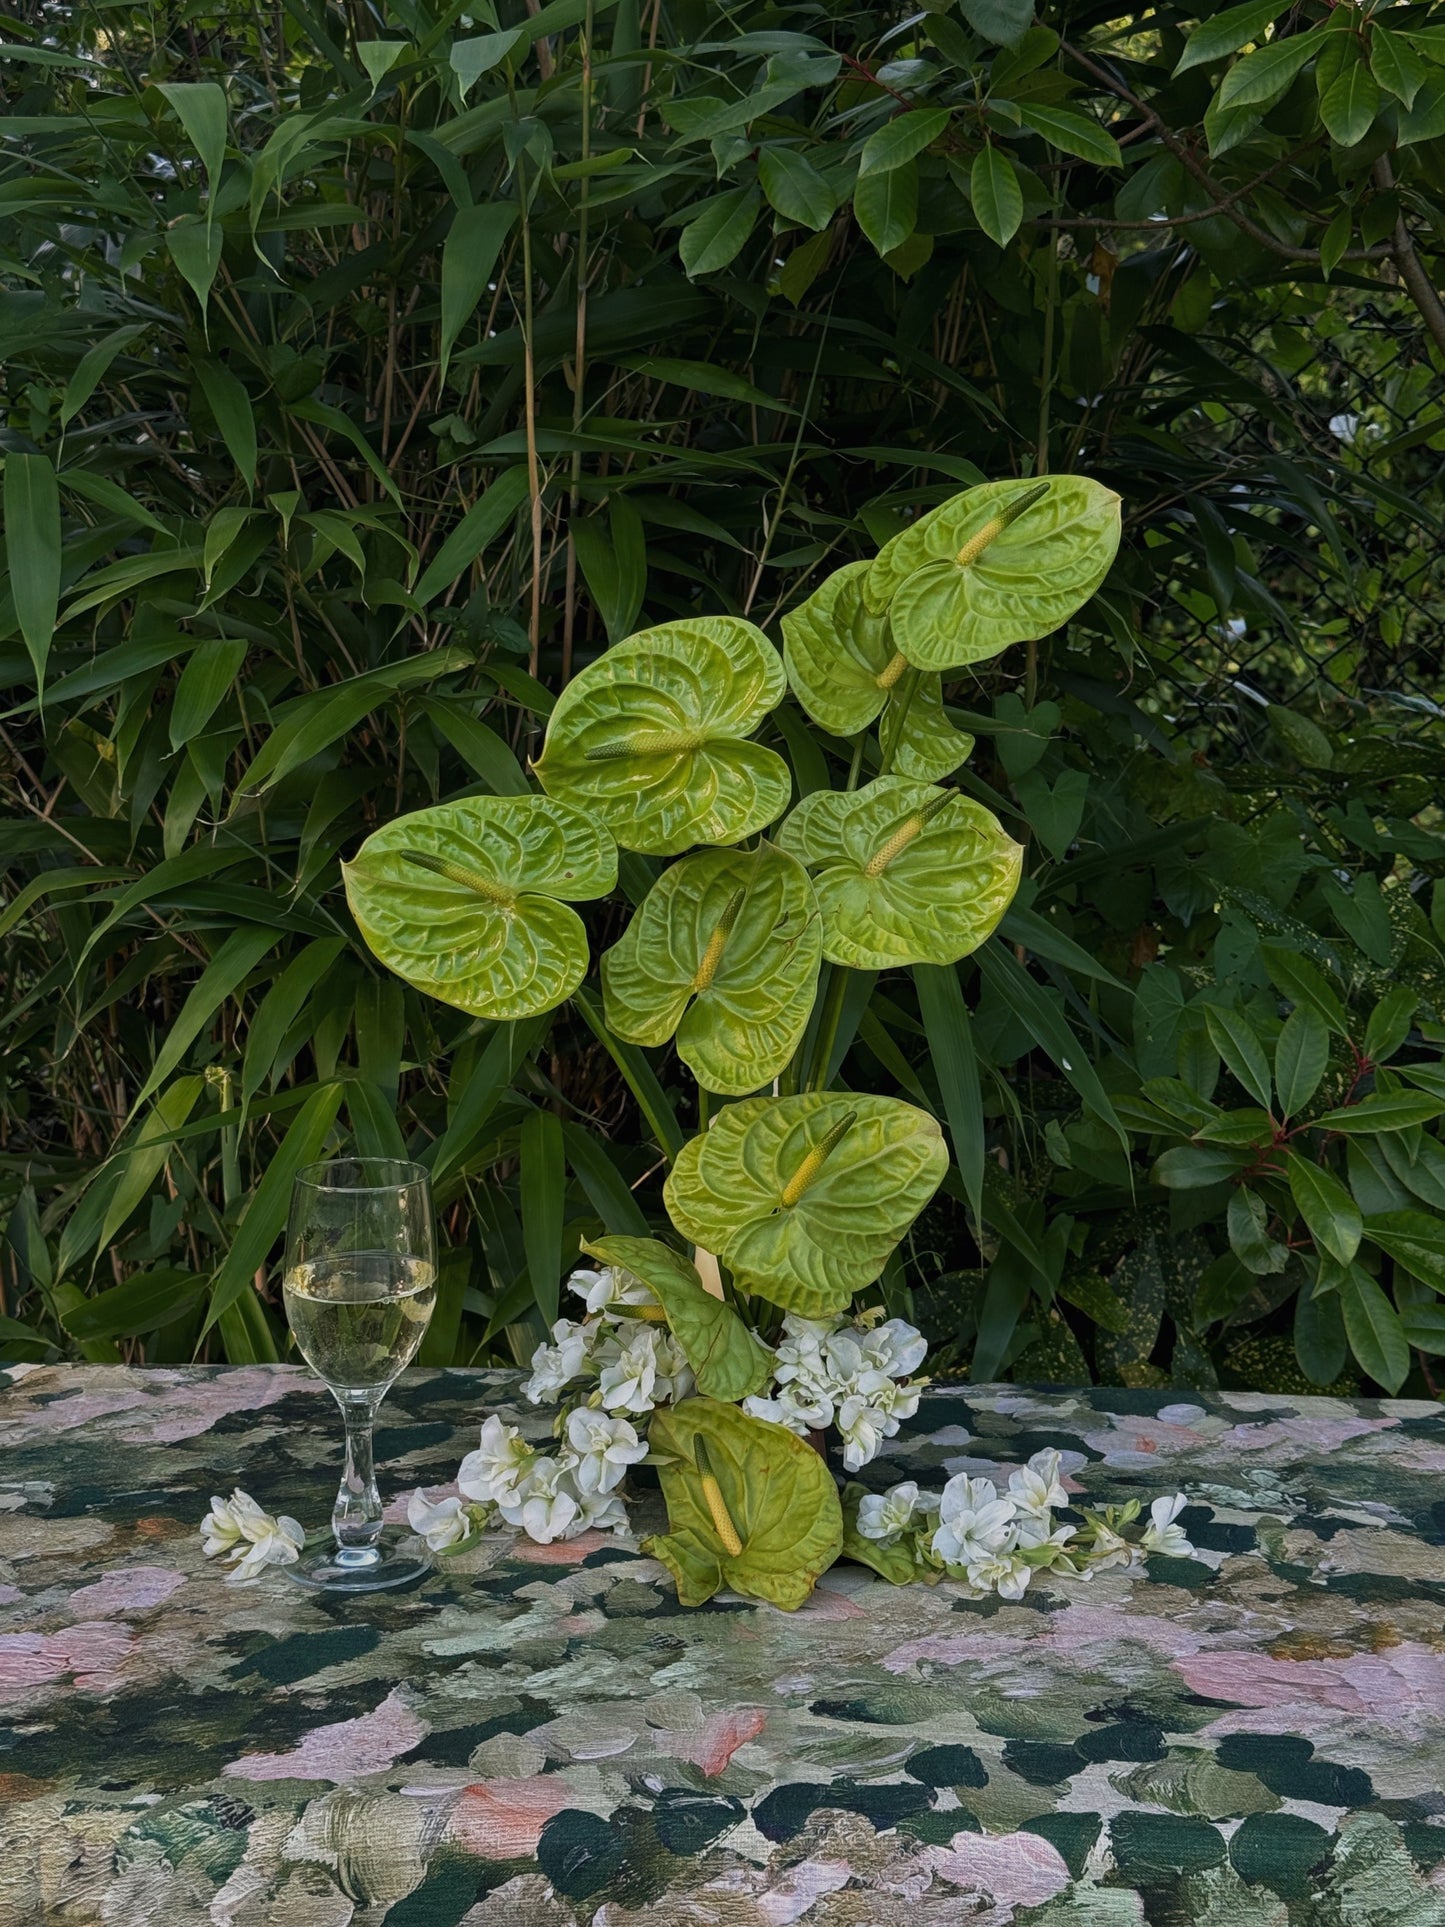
x=1344, y=611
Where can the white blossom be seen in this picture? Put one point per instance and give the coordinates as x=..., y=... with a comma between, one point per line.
x=604, y=1447
x=555, y=1366
x=974, y=1523
x=498, y=1467
x=249, y=1538
x=443, y=1523
x=1002, y=1572
x=1110, y=1548
x=642, y=1366
x=885, y=1516
x=546, y=1504
x=610, y=1287
x=895, y=1347
x=783, y=1411
x=601, y=1512
x=1037, y=1487
x=1161, y=1534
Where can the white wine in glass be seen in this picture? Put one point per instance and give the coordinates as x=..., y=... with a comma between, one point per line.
x=360, y=1284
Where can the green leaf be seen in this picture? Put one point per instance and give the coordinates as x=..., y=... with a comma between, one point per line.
x=901, y=139
x=1262, y=77
x=147, y=1301
x=885, y=206
x=544, y=1193
x=1234, y=1038
x=650, y=739
x=614, y=563
x=845, y=672
x=1004, y=22
x=1373, y=1327
x=469, y=256
x=1336, y=239
x=1249, y=1239
x=265, y=1216
x=469, y=900
x=1301, y=1058
x=1304, y=983
x=155, y=1139
x=200, y=107
x=32, y=547
x=640, y=1078
x=719, y=234
x=1349, y=105
x=480, y=53
x=507, y=1050
x=904, y=872
x=233, y=962
x=1395, y=64
x=91, y=369
x=998, y=564
x=1425, y=121
x=209, y=675
x=998, y=200
x=728, y=1360
x=1385, y=1111
x=779, y=1496
x=724, y=953
x=803, y=1198
x=1194, y=1167
x=1327, y=1208
x=483, y=521
x=1424, y=1327
x=1413, y=1239
x=1390, y=1023
x=278, y=1010
x=378, y=57
x=487, y=754
x=607, y=1189
x=948, y=1027
x=1319, y=1336
x=1016, y=989
x=795, y=187
x=195, y=247
x=1073, y=133
x=1226, y=32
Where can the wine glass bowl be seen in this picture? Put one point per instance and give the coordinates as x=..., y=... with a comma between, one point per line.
x=359, y=1287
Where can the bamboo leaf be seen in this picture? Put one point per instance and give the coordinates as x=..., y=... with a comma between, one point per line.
x=32, y=547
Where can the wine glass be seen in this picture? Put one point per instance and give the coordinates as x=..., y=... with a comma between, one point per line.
x=360, y=1284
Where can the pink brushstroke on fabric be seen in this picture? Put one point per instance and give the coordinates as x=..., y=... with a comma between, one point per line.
x=1013, y=1870
x=194, y=1408
x=826, y=1604
x=94, y=1651
x=343, y=1751
x=561, y=1552
x=503, y=1819
x=1392, y=1685
x=1079, y=1627
x=1307, y=1435
x=711, y=1745
x=127, y=1589
x=954, y=1649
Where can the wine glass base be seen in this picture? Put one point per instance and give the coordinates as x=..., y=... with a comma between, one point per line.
x=397, y=1559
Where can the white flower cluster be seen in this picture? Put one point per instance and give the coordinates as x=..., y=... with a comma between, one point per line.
x=996, y=1543
x=248, y=1538
x=853, y=1375
x=622, y=1345
x=550, y=1495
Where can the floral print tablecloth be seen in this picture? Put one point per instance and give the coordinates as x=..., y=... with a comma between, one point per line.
x=541, y=1737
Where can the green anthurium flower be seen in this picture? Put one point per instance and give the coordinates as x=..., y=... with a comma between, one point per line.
x=468, y=901
x=1007, y=562
x=651, y=740
x=804, y=1197
x=725, y=953
x=750, y=1506
x=846, y=672
x=728, y=1361
x=904, y=873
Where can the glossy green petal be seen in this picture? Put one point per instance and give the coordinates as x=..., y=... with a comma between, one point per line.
x=651, y=739
x=846, y=672
x=779, y=1495
x=727, y=1359
x=803, y=1198
x=956, y=593
x=904, y=872
x=724, y=952
x=466, y=900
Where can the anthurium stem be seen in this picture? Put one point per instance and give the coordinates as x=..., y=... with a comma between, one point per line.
x=716, y=1504
x=828, y=1022
x=897, y=714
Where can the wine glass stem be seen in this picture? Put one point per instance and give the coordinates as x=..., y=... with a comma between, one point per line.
x=356, y=1518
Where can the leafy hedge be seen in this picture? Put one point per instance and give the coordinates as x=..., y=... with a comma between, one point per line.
x=356, y=389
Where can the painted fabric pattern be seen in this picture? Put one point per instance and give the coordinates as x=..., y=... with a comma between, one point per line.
x=540, y=1736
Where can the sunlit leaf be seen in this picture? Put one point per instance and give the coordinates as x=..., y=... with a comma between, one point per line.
x=727, y=1358
x=469, y=901
x=804, y=1197
x=724, y=952
x=904, y=872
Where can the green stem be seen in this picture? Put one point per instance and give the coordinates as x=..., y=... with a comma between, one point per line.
x=703, y=1109
x=828, y=1027
x=902, y=703
x=855, y=768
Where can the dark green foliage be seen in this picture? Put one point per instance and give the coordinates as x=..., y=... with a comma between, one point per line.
x=361, y=382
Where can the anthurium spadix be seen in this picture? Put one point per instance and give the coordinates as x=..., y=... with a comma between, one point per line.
x=803, y=1198
x=651, y=740
x=846, y=672
x=750, y=1506
x=724, y=952
x=469, y=900
x=1006, y=562
x=904, y=872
